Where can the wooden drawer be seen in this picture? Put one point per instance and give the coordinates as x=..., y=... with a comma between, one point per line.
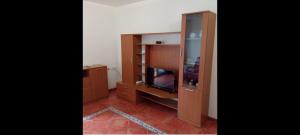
x=122, y=89
x=125, y=91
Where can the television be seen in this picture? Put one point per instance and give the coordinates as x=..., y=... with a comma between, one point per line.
x=162, y=79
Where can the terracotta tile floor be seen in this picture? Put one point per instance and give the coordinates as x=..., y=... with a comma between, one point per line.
x=161, y=117
x=111, y=123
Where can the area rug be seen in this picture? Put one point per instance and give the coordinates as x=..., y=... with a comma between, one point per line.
x=127, y=116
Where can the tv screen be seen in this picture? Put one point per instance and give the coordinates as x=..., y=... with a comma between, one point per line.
x=162, y=79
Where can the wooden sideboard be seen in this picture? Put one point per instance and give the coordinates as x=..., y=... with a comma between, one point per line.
x=95, y=83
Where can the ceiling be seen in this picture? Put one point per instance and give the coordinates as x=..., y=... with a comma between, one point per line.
x=114, y=2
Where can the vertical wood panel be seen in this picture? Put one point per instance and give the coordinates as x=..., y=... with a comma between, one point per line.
x=127, y=58
x=166, y=57
x=193, y=105
x=208, y=64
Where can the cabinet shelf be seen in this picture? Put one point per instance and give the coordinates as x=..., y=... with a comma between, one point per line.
x=161, y=44
x=156, y=92
x=158, y=96
x=165, y=102
x=193, y=39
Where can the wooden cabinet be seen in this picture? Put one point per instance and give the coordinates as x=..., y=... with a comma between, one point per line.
x=196, y=51
x=95, y=83
x=130, y=46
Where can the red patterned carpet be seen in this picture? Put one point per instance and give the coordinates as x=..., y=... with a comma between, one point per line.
x=160, y=117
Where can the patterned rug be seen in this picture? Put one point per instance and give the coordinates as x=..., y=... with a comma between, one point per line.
x=127, y=116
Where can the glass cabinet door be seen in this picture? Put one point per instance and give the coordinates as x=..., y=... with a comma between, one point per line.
x=192, y=46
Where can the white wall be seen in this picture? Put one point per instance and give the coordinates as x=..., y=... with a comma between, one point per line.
x=164, y=16
x=99, y=46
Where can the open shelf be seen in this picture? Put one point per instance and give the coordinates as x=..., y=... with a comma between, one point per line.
x=165, y=102
x=160, y=44
x=156, y=92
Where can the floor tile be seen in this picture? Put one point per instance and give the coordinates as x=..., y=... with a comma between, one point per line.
x=161, y=117
x=137, y=130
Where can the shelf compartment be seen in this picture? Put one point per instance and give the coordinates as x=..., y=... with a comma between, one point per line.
x=156, y=92
x=165, y=102
x=161, y=44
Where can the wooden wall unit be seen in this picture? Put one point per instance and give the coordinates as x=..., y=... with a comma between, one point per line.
x=192, y=60
x=194, y=99
x=95, y=83
x=163, y=56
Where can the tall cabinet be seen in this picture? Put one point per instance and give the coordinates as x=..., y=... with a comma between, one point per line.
x=195, y=66
x=130, y=45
